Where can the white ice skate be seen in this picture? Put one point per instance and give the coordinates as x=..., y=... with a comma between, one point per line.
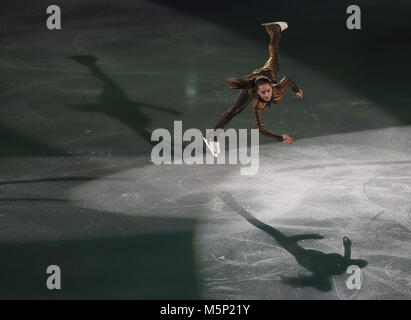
x=213, y=146
x=283, y=25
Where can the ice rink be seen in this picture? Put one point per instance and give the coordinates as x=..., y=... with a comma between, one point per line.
x=78, y=188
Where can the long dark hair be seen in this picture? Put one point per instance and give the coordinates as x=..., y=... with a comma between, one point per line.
x=240, y=83
x=253, y=80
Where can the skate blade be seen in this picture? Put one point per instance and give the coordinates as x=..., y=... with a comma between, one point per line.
x=210, y=147
x=283, y=25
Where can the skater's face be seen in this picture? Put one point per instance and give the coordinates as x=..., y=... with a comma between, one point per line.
x=265, y=91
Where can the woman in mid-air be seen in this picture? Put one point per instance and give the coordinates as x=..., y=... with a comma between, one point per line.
x=262, y=87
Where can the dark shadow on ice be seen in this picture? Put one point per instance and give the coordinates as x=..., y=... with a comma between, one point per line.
x=321, y=265
x=101, y=255
x=34, y=199
x=17, y=144
x=60, y=179
x=114, y=102
x=57, y=179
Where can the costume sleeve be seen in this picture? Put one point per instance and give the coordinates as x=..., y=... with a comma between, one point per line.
x=287, y=81
x=260, y=126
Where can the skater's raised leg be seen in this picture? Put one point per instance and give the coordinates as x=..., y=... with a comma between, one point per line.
x=274, y=31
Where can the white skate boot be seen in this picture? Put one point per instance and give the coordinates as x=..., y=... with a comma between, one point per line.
x=283, y=25
x=213, y=146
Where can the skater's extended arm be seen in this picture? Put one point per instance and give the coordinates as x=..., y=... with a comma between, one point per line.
x=260, y=126
x=287, y=81
x=347, y=248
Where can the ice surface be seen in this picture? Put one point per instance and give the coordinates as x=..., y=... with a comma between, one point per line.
x=351, y=185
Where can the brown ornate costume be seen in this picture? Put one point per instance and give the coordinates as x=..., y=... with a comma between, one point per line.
x=269, y=70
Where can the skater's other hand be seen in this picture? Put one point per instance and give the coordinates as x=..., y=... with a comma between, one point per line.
x=347, y=241
x=299, y=94
x=287, y=139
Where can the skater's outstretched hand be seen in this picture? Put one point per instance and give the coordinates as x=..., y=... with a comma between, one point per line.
x=347, y=242
x=287, y=139
x=299, y=94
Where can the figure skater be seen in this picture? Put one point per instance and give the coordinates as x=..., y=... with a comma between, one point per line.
x=262, y=87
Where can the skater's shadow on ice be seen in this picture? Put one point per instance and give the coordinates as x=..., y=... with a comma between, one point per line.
x=114, y=102
x=321, y=265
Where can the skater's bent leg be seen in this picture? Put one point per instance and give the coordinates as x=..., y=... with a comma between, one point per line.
x=242, y=101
